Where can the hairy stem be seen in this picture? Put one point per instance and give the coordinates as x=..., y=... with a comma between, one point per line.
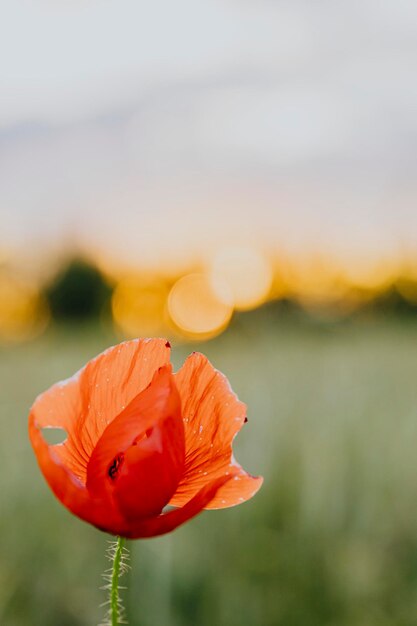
x=114, y=589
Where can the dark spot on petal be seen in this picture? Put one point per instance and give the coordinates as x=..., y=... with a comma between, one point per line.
x=115, y=466
x=167, y=345
x=245, y=420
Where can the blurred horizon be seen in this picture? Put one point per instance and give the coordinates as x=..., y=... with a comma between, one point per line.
x=207, y=158
x=153, y=134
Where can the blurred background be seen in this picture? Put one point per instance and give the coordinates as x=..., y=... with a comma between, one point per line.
x=239, y=177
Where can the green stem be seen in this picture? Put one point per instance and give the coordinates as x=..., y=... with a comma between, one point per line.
x=114, y=590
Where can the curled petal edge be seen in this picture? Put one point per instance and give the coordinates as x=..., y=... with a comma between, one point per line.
x=241, y=489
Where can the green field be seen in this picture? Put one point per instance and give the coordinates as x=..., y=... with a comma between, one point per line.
x=330, y=540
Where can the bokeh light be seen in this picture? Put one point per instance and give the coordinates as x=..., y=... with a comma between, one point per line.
x=23, y=311
x=371, y=274
x=317, y=285
x=196, y=309
x=138, y=306
x=246, y=272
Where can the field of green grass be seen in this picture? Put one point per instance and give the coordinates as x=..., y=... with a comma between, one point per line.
x=331, y=538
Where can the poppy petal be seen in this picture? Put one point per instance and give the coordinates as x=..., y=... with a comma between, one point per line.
x=65, y=485
x=242, y=487
x=86, y=403
x=109, y=383
x=139, y=458
x=167, y=522
x=58, y=408
x=212, y=415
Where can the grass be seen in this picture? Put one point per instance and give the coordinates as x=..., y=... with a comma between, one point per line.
x=330, y=540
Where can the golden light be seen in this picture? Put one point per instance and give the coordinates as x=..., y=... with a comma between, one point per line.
x=23, y=311
x=316, y=283
x=138, y=306
x=244, y=272
x=406, y=283
x=371, y=274
x=195, y=309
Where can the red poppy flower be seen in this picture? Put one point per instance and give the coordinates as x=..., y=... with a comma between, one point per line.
x=140, y=438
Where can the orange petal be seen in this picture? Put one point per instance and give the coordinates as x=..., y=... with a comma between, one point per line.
x=59, y=407
x=242, y=487
x=212, y=417
x=169, y=521
x=139, y=458
x=66, y=486
x=85, y=404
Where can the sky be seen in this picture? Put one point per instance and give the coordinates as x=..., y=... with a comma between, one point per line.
x=155, y=131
